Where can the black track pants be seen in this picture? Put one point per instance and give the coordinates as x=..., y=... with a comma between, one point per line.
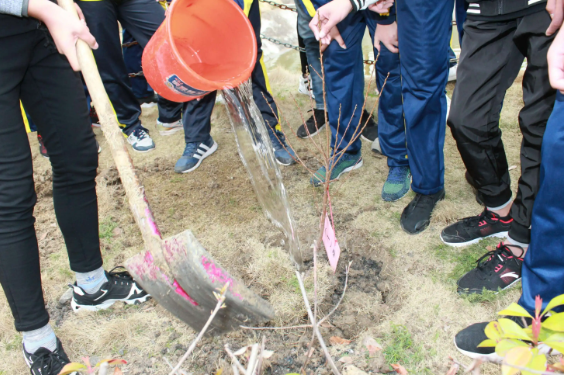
x=33, y=71
x=492, y=55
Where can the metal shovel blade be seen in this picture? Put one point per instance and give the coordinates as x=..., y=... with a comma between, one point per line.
x=170, y=296
x=200, y=275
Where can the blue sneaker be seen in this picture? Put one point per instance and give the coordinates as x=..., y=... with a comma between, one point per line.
x=283, y=153
x=347, y=163
x=193, y=155
x=397, y=184
x=140, y=140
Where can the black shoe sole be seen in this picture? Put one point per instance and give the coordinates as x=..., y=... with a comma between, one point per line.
x=312, y=134
x=466, y=292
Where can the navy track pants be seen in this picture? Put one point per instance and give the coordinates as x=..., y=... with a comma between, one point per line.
x=543, y=269
x=424, y=34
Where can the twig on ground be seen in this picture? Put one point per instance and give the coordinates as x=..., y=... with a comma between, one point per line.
x=220, y=300
x=276, y=328
x=261, y=357
x=253, y=359
x=340, y=299
x=235, y=361
x=315, y=328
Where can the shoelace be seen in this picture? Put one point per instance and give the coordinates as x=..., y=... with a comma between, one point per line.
x=491, y=258
x=47, y=362
x=122, y=275
x=140, y=134
x=191, y=149
x=474, y=220
x=397, y=174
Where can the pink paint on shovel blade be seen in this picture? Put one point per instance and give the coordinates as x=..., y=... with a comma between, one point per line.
x=178, y=289
x=216, y=275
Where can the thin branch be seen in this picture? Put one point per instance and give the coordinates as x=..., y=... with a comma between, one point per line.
x=235, y=360
x=220, y=300
x=315, y=328
x=340, y=299
x=276, y=328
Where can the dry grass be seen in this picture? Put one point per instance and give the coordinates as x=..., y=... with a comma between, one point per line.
x=414, y=288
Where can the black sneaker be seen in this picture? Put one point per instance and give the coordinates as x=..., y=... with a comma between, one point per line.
x=416, y=217
x=119, y=287
x=42, y=149
x=471, y=230
x=467, y=341
x=370, y=132
x=496, y=270
x=46, y=362
x=313, y=125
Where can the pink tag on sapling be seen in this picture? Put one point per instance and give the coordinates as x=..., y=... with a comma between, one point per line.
x=331, y=244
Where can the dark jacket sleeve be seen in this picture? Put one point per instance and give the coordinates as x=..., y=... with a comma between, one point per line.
x=386, y=20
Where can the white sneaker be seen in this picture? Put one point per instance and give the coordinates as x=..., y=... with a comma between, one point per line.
x=305, y=86
x=452, y=73
x=170, y=127
x=141, y=141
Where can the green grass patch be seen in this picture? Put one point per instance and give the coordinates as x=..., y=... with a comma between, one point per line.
x=464, y=259
x=107, y=227
x=401, y=349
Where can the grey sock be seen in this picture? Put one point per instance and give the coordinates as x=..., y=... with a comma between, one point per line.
x=91, y=281
x=40, y=338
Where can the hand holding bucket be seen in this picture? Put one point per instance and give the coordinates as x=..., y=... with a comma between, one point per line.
x=202, y=46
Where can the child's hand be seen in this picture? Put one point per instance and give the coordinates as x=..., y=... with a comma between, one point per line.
x=382, y=6
x=327, y=18
x=388, y=36
x=556, y=10
x=64, y=28
x=556, y=62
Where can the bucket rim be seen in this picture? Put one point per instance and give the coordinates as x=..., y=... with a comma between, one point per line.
x=204, y=80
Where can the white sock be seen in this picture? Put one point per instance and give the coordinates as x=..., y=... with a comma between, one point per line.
x=40, y=338
x=500, y=207
x=91, y=281
x=511, y=241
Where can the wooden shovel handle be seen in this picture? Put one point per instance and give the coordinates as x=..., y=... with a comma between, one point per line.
x=115, y=139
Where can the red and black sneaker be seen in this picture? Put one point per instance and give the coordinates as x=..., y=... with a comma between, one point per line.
x=496, y=270
x=472, y=229
x=42, y=149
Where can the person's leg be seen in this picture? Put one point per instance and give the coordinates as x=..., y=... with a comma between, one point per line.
x=132, y=53
x=423, y=29
x=474, y=121
x=20, y=274
x=197, y=127
x=303, y=56
x=344, y=85
x=262, y=95
x=102, y=20
x=391, y=128
x=142, y=18
x=544, y=263
x=538, y=98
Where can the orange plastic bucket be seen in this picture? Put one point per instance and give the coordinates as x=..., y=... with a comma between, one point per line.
x=202, y=46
